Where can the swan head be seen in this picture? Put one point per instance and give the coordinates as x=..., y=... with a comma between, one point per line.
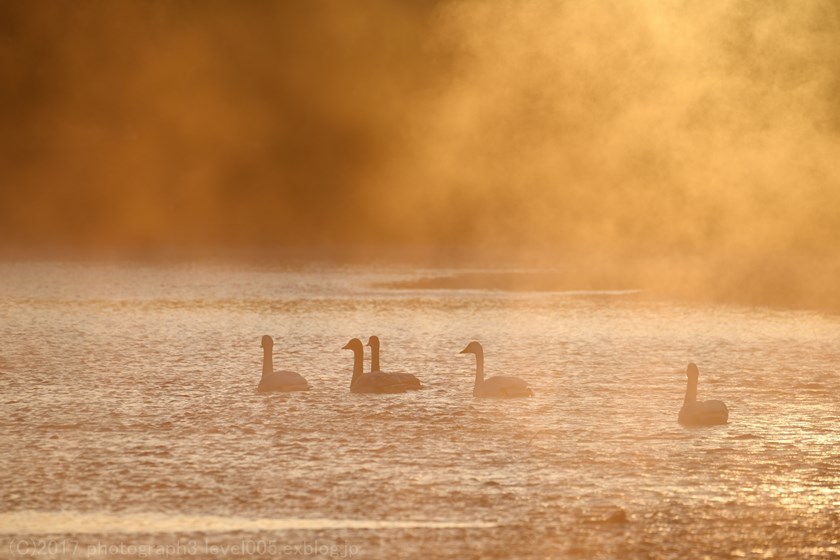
x=472, y=348
x=355, y=345
x=692, y=372
x=267, y=342
x=373, y=342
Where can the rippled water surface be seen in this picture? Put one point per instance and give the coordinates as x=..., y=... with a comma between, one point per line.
x=130, y=416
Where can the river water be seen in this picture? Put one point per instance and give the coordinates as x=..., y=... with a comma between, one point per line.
x=131, y=425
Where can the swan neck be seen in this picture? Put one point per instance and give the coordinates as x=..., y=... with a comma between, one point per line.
x=479, y=368
x=358, y=366
x=691, y=390
x=268, y=363
x=374, y=358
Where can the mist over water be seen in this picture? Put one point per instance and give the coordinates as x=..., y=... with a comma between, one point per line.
x=691, y=147
x=657, y=127
x=599, y=192
x=131, y=416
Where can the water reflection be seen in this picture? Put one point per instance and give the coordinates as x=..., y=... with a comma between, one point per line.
x=129, y=391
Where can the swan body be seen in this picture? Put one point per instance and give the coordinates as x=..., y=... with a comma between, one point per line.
x=500, y=386
x=271, y=380
x=375, y=382
x=408, y=379
x=700, y=413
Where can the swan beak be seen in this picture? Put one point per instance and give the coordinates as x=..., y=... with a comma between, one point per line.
x=464, y=351
x=346, y=346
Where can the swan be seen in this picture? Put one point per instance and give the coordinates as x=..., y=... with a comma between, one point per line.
x=277, y=380
x=376, y=382
x=410, y=380
x=499, y=386
x=702, y=413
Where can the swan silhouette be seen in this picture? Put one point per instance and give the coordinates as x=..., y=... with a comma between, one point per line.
x=499, y=386
x=702, y=413
x=376, y=382
x=410, y=380
x=277, y=380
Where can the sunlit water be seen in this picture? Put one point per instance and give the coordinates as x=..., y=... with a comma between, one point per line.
x=130, y=417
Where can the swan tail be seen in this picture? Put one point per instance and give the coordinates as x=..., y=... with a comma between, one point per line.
x=412, y=382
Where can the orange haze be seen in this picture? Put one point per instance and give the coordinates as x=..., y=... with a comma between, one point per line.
x=647, y=128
